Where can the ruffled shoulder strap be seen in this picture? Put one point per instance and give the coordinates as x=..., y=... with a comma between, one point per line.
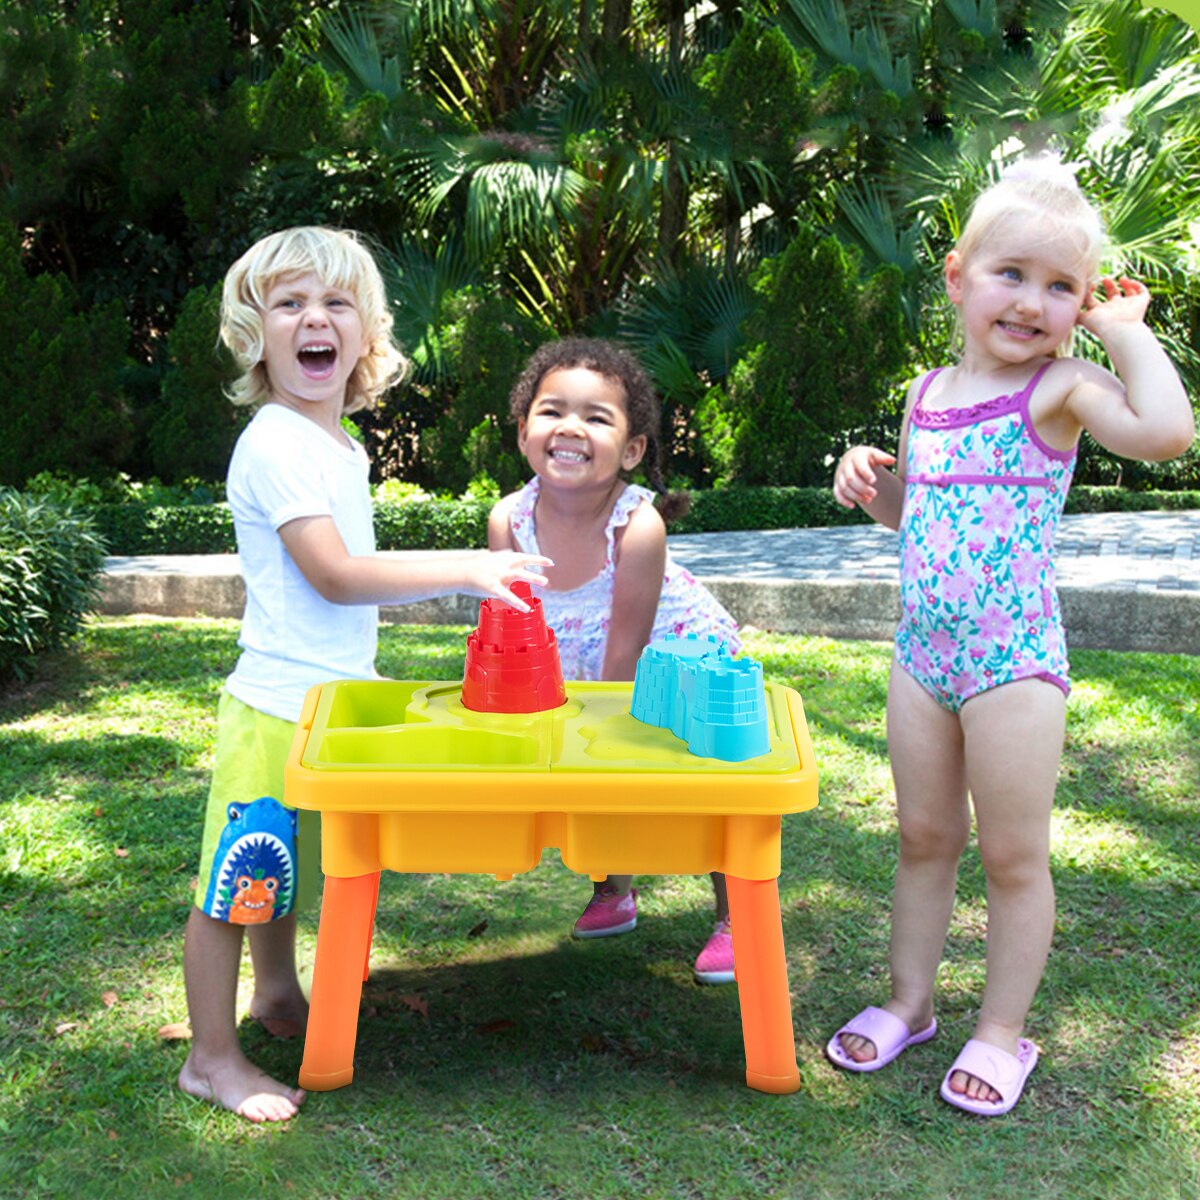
x=627, y=501
x=520, y=518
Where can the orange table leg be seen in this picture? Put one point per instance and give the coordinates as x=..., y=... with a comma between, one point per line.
x=763, y=985
x=343, y=943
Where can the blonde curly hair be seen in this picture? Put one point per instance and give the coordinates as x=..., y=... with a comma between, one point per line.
x=1043, y=190
x=340, y=259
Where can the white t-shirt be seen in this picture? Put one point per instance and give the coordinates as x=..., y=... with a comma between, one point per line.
x=283, y=467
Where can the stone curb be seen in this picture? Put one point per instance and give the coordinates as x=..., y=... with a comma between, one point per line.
x=1096, y=618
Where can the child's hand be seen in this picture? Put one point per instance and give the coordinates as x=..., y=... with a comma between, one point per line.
x=854, y=480
x=1125, y=303
x=493, y=573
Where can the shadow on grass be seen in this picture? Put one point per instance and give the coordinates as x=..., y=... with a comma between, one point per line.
x=546, y=1014
x=552, y=1068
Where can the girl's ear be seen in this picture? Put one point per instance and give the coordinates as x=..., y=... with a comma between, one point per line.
x=635, y=448
x=521, y=434
x=952, y=273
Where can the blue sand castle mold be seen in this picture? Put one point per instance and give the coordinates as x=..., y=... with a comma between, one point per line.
x=656, y=687
x=715, y=703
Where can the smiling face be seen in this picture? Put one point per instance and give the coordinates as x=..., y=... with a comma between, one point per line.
x=1019, y=293
x=312, y=341
x=576, y=431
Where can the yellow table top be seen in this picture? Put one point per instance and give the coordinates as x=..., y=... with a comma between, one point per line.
x=394, y=746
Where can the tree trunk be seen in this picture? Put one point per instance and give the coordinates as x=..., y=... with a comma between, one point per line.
x=672, y=215
x=617, y=17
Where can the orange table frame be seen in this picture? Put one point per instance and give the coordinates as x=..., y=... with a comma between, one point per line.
x=709, y=816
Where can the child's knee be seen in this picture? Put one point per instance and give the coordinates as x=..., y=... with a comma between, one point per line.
x=924, y=839
x=1015, y=863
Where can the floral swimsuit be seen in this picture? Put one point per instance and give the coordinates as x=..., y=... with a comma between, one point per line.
x=983, y=496
x=580, y=617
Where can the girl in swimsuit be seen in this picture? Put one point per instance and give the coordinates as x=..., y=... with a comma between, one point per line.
x=977, y=696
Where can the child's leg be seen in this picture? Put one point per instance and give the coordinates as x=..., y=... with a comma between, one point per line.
x=278, y=1004
x=620, y=884
x=216, y=1069
x=1014, y=736
x=611, y=910
x=926, y=751
x=720, y=895
x=714, y=963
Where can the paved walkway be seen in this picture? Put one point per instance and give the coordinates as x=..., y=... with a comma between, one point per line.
x=1128, y=581
x=1138, y=551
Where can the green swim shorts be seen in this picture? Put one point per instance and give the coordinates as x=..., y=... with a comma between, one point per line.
x=259, y=860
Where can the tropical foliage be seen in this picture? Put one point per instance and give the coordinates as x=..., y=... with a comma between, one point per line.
x=50, y=560
x=646, y=169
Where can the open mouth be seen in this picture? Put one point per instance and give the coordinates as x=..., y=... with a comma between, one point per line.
x=1021, y=331
x=563, y=455
x=317, y=359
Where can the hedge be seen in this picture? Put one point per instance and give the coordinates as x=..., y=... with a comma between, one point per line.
x=50, y=562
x=451, y=524
x=151, y=529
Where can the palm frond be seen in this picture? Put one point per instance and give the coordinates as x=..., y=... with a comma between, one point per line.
x=978, y=16
x=1148, y=207
x=696, y=311
x=869, y=219
x=1136, y=41
x=823, y=26
x=350, y=46
x=541, y=286
x=1172, y=93
x=518, y=201
x=419, y=276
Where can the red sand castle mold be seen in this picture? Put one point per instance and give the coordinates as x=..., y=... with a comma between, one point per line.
x=512, y=659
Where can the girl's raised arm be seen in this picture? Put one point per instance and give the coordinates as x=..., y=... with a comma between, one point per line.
x=1145, y=413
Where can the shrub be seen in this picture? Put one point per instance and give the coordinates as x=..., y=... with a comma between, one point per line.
x=194, y=426
x=823, y=348
x=408, y=519
x=764, y=508
x=156, y=529
x=50, y=560
x=475, y=433
x=66, y=490
x=60, y=375
x=431, y=525
x=1114, y=499
x=813, y=507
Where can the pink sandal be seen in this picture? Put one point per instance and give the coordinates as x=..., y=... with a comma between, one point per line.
x=1003, y=1072
x=890, y=1036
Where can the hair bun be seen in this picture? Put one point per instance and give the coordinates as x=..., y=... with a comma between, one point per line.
x=1046, y=167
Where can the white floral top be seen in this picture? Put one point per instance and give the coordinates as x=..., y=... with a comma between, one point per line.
x=580, y=617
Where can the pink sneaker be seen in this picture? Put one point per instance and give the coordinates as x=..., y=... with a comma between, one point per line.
x=607, y=913
x=715, y=962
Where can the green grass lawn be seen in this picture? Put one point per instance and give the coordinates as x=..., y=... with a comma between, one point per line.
x=544, y=1067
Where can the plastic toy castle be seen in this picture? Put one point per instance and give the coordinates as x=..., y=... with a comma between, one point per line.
x=715, y=703
x=512, y=659
x=690, y=685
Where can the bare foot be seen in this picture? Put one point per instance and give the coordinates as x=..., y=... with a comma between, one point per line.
x=976, y=1089
x=859, y=1048
x=284, y=1028
x=863, y=1050
x=242, y=1088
